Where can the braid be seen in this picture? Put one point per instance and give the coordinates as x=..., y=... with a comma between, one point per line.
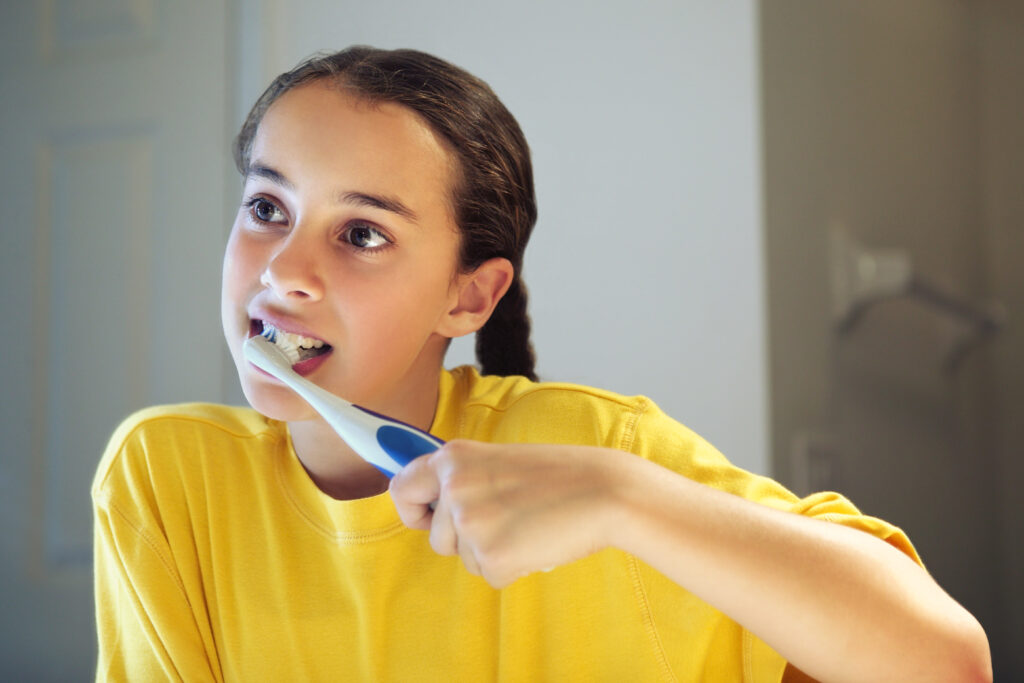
x=503, y=344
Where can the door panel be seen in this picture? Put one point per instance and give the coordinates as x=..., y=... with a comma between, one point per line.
x=113, y=177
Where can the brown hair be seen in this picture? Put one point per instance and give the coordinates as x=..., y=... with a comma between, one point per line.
x=495, y=206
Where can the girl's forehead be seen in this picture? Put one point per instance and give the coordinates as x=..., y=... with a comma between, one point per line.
x=322, y=132
x=337, y=117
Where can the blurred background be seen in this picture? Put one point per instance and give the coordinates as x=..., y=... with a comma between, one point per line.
x=797, y=225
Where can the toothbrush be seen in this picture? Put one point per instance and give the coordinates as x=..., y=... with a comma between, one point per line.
x=386, y=443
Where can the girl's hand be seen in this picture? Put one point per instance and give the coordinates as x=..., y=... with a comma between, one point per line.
x=510, y=510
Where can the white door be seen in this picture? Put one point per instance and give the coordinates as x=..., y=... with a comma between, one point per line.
x=114, y=118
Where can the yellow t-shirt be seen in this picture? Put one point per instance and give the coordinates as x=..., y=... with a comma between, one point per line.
x=217, y=558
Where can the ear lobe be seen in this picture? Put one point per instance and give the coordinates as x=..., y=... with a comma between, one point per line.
x=478, y=293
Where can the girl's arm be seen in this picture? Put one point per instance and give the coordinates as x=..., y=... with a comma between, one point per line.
x=838, y=603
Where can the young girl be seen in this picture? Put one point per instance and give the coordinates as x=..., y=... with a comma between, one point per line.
x=574, y=534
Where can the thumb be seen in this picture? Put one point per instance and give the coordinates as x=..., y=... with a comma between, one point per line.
x=414, y=490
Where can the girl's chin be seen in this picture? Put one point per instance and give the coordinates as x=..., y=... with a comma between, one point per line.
x=277, y=402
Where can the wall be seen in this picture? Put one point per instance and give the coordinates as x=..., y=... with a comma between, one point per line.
x=890, y=121
x=645, y=268
x=1002, y=208
x=112, y=181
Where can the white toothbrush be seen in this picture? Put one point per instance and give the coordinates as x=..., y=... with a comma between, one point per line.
x=386, y=443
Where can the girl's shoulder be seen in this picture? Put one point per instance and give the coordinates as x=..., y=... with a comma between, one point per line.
x=166, y=442
x=502, y=392
x=506, y=408
x=517, y=410
x=234, y=420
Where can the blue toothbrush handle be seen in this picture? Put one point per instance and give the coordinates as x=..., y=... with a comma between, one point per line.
x=402, y=442
x=405, y=445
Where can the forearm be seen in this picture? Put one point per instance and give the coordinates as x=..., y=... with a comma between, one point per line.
x=836, y=602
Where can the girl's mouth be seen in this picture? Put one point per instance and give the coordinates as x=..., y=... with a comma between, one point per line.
x=297, y=347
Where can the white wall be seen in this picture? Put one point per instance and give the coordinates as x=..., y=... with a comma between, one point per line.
x=113, y=138
x=645, y=268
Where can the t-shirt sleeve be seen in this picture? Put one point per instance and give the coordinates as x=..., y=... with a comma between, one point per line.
x=146, y=627
x=662, y=440
x=665, y=441
x=832, y=507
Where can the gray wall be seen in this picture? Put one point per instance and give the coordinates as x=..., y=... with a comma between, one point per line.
x=901, y=124
x=645, y=269
x=1001, y=120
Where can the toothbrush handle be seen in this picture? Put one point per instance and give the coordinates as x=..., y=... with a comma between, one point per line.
x=404, y=445
x=398, y=442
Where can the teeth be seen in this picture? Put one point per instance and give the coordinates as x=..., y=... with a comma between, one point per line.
x=289, y=342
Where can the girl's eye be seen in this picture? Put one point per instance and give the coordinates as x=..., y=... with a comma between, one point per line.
x=265, y=211
x=366, y=237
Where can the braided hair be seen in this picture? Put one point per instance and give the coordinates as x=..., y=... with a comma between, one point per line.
x=493, y=196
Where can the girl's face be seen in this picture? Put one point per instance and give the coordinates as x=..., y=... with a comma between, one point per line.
x=345, y=236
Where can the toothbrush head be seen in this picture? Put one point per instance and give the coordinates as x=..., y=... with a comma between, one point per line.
x=284, y=343
x=267, y=356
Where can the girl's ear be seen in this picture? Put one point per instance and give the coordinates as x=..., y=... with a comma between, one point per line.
x=477, y=293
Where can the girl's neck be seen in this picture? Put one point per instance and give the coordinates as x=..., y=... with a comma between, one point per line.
x=339, y=471
x=334, y=467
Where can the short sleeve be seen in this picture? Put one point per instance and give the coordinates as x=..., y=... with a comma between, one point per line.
x=832, y=507
x=730, y=652
x=146, y=624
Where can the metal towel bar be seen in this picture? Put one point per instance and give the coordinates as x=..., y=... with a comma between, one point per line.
x=864, y=277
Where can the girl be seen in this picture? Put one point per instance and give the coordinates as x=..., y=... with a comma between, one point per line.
x=576, y=534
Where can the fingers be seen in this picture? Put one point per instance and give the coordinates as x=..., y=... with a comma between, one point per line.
x=417, y=487
x=469, y=559
x=443, y=538
x=509, y=510
x=413, y=490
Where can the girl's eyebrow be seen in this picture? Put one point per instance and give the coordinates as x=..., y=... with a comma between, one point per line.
x=392, y=204
x=270, y=174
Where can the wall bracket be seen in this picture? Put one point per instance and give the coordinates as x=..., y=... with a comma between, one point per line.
x=862, y=278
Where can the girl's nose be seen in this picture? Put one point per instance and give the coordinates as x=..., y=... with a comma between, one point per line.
x=293, y=272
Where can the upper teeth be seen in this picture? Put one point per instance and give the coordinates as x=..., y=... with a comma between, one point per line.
x=282, y=338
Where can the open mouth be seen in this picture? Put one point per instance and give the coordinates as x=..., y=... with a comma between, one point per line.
x=297, y=347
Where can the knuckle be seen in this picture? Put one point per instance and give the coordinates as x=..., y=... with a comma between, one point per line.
x=440, y=543
x=458, y=445
x=475, y=518
x=494, y=557
x=460, y=451
x=460, y=479
x=448, y=461
x=453, y=450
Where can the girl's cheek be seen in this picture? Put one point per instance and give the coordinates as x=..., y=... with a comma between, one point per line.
x=241, y=260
